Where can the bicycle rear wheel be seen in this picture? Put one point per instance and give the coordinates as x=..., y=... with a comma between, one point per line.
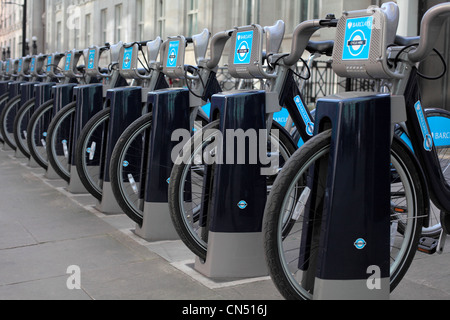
x=90, y=150
x=37, y=133
x=59, y=141
x=7, y=121
x=286, y=206
x=20, y=126
x=187, y=185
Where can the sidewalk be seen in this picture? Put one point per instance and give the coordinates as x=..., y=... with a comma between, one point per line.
x=44, y=230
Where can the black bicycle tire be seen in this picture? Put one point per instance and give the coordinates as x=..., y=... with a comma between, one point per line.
x=275, y=203
x=115, y=164
x=174, y=191
x=52, y=129
x=3, y=115
x=17, y=135
x=81, y=151
x=3, y=99
x=30, y=133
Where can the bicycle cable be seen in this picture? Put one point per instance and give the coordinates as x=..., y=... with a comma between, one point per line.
x=421, y=74
x=272, y=66
x=187, y=82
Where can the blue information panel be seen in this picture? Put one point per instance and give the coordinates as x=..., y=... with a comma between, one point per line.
x=127, y=56
x=244, y=43
x=33, y=64
x=20, y=66
x=49, y=63
x=358, y=35
x=91, y=59
x=68, y=58
x=173, y=54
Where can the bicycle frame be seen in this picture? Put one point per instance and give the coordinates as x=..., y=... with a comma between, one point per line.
x=426, y=153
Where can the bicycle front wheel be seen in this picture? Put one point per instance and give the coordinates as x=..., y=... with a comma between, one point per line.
x=286, y=207
x=37, y=133
x=7, y=121
x=90, y=153
x=128, y=167
x=188, y=188
x=20, y=126
x=3, y=100
x=59, y=141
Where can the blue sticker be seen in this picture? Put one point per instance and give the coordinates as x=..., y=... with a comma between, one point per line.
x=244, y=43
x=440, y=130
x=7, y=66
x=33, y=64
x=360, y=244
x=20, y=65
x=173, y=54
x=91, y=59
x=49, y=64
x=427, y=138
x=68, y=58
x=281, y=117
x=242, y=204
x=127, y=57
x=358, y=35
x=309, y=125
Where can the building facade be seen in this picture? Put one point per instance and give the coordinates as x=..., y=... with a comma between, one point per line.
x=60, y=25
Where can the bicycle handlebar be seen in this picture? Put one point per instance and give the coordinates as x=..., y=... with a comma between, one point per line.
x=301, y=36
x=218, y=42
x=430, y=28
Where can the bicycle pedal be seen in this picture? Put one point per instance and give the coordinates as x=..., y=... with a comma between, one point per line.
x=428, y=245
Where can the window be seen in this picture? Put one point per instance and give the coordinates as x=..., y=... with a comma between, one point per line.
x=59, y=36
x=87, y=32
x=247, y=12
x=104, y=25
x=161, y=18
x=299, y=11
x=140, y=20
x=192, y=14
x=118, y=23
x=76, y=34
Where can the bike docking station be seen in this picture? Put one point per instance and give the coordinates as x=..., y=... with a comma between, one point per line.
x=173, y=109
x=64, y=95
x=353, y=260
x=234, y=203
x=14, y=87
x=27, y=67
x=89, y=101
x=4, y=84
x=44, y=90
x=127, y=105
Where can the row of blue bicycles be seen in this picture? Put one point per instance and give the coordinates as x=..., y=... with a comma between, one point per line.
x=108, y=121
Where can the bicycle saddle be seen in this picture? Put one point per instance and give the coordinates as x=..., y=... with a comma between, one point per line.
x=322, y=47
x=406, y=41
